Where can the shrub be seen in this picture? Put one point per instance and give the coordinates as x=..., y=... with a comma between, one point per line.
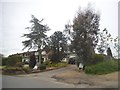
x=97, y=58
x=12, y=60
x=42, y=67
x=16, y=70
x=119, y=65
x=27, y=69
x=12, y=69
x=102, y=67
x=47, y=62
x=19, y=64
x=4, y=60
x=57, y=57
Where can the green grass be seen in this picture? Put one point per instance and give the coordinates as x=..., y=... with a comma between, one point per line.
x=60, y=64
x=12, y=70
x=1, y=67
x=103, y=67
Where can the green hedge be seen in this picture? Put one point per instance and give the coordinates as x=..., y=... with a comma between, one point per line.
x=42, y=67
x=4, y=60
x=27, y=69
x=12, y=60
x=47, y=62
x=96, y=59
x=13, y=70
x=103, y=67
x=118, y=64
x=19, y=64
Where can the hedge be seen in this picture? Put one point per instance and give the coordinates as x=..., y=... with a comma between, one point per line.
x=12, y=60
x=103, y=67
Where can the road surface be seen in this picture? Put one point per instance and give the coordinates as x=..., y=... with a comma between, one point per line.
x=44, y=80
x=38, y=80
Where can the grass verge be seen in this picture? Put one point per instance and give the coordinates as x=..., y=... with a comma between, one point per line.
x=59, y=65
x=103, y=67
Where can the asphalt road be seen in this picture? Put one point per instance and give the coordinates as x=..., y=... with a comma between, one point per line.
x=39, y=80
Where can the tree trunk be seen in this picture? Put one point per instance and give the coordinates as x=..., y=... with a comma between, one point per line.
x=39, y=57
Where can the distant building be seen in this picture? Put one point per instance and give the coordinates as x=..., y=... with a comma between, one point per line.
x=26, y=56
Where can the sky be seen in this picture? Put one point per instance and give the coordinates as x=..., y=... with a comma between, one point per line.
x=16, y=14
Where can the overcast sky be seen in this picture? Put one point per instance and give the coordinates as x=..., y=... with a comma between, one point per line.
x=16, y=14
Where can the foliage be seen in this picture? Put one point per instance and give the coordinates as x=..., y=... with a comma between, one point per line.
x=102, y=67
x=104, y=38
x=117, y=46
x=13, y=59
x=105, y=41
x=58, y=44
x=50, y=54
x=12, y=70
x=60, y=64
x=57, y=57
x=27, y=69
x=19, y=64
x=85, y=34
x=1, y=58
x=47, y=47
x=42, y=67
x=37, y=36
x=118, y=64
x=32, y=62
x=47, y=62
x=4, y=60
x=97, y=58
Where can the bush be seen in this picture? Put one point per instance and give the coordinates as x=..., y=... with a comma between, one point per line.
x=97, y=58
x=4, y=60
x=119, y=65
x=16, y=70
x=42, y=67
x=27, y=69
x=12, y=70
x=57, y=57
x=12, y=60
x=47, y=62
x=19, y=64
x=102, y=67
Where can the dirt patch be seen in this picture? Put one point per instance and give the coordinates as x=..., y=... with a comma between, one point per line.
x=75, y=77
